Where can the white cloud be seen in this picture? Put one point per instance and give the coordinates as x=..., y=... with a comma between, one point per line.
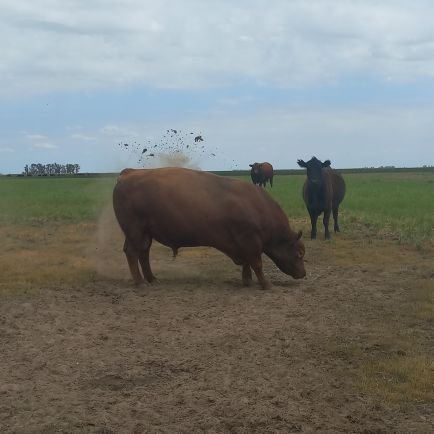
x=82, y=137
x=44, y=145
x=350, y=138
x=35, y=137
x=174, y=44
x=119, y=132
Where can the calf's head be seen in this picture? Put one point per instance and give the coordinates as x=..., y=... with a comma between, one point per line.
x=288, y=255
x=314, y=169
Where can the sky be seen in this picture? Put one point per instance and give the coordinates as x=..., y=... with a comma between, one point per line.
x=261, y=80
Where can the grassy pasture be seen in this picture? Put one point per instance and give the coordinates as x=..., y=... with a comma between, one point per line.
x=62, y=199
x=397, y=206
x=379, y=334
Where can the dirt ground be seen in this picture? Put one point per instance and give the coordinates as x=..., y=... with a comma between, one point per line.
x=349, y=349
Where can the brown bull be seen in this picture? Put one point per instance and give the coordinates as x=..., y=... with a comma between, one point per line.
x=187, y=208
x=261, y=173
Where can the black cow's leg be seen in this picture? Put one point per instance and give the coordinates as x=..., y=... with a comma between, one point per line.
x=256, y=265
x=132, y=255
x=335, y=218
x=247, y=275
x=313, y=220
x=325, y=221
x=144, y=260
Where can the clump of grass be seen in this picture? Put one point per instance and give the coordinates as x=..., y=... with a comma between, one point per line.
x=400, y=379
x=421, y=300
x=401, y=373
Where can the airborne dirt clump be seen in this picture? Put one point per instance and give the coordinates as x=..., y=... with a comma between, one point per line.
x=173, y=148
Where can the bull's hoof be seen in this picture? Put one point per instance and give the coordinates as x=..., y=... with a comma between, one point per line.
x=247, y=282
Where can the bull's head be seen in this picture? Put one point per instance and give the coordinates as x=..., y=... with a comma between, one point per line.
x=288, y=255
x=314, y=169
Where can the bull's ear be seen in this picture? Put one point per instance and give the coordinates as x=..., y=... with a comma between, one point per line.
x=300, y=233
x=301, y=163
x=326, y=163
x=251, y=165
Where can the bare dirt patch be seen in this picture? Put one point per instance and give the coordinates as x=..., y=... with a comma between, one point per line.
x=197, y=352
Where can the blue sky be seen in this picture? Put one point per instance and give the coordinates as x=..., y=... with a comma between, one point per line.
x=273, y=80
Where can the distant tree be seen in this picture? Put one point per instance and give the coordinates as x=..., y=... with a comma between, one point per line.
x=50, y=169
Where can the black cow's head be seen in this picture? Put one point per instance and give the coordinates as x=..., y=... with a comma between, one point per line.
x=314, y=169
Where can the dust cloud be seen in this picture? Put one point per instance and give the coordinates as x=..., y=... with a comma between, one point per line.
x=173, y=148
x=107, y=254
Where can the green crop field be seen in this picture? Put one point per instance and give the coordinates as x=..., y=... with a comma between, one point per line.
x=397, y=205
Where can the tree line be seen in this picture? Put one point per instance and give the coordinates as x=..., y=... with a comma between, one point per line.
x=51, y=169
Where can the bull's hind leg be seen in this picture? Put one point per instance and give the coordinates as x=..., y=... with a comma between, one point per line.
x=132, y=255
x=144, y=260
x=247, y=275
x=335, y=218
x=256, y=265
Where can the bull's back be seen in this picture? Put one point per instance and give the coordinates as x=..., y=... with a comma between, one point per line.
x=161, y=190
x=185, y=207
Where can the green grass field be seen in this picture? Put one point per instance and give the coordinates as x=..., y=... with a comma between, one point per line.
x=387, y=205
x=397, y=205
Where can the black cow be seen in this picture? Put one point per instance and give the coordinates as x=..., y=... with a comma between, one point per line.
x=323, y=191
